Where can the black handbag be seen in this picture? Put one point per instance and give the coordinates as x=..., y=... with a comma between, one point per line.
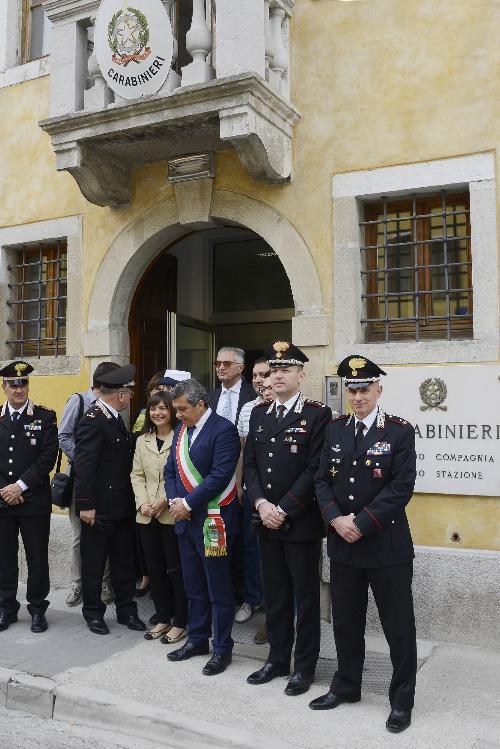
x=61, y=485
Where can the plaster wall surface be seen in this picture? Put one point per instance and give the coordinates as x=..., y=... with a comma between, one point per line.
x=378, y=83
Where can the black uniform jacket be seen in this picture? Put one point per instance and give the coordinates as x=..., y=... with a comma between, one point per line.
x=280, y=463
x=28, y=451
x=247, y=393
x=102, y=465
x=375, y=482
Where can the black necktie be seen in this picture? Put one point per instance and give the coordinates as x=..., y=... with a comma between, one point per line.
x=190, y=435
x=280, y=413
x=15, y=415
x=359, y=433
x=121, y=424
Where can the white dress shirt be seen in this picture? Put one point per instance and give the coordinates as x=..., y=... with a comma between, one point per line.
x=367, y=421
x=197, y=429
x=19, y=411
x=234, y=394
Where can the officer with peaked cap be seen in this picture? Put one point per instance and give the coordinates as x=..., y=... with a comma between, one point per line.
x=105, y=501
x=281, y=456
x=28, y=451
x=365, y=480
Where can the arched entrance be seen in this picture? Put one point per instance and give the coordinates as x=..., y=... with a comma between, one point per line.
x=143, y=240
x=215, y=287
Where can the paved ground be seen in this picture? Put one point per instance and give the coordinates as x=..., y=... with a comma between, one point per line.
x=456, y=702
x=23, y=731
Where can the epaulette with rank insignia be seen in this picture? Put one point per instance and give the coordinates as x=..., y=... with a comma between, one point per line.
x=92, y=412
x=259, y=405
x=340, y=418
x=318, y=404
x=398, y=420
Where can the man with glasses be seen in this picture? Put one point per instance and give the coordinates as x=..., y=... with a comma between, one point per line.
x=228, y=399
x=105, y=501
x=28, y=451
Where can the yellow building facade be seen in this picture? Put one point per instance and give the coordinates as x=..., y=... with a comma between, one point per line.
x=383, y=98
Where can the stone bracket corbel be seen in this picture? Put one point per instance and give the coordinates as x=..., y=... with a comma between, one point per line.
x=104, y=181
x=263, y=143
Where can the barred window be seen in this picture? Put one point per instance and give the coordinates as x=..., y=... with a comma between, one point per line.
x=37, y=303
x=417, y=268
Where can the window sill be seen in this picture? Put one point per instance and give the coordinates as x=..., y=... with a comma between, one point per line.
x=51, y=365
x=26, y=72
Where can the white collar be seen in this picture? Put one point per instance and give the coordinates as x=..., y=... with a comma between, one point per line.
x=19, y=410
x=368, y=420
x=112, y=410
x=289, y=403
x=201, y=422
x=234, y=389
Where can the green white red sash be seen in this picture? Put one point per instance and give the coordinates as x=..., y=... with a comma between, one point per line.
x=214, y=530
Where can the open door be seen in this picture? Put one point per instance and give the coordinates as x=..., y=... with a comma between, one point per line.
x=150, y=320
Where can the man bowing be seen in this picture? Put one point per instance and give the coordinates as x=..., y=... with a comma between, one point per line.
x=200, y=483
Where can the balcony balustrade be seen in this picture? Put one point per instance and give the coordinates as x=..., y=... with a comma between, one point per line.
x=228, y=87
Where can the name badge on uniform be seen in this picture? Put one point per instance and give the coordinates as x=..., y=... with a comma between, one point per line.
x=379, y=448
x=377, y=473
x=293, y=448
x=32, y=441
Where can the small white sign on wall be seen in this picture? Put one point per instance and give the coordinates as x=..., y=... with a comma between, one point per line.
x=133, y=45
x=455, y=411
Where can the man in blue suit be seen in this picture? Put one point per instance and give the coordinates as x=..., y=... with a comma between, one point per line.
x=201, y=489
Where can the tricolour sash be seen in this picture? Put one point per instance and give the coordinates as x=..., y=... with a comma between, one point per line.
x=214, y=530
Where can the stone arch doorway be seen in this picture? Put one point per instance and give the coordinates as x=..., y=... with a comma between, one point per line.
x=161, y=227
x=215, y=287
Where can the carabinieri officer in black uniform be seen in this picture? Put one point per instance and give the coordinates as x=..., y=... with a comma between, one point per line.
x=105, y=501
x=364, y=482
x=282, y=453
x=28, y=451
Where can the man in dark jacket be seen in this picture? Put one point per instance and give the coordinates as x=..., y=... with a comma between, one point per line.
x=364, y=482
x=281, y=456
x=28, y=451
x=105, y=502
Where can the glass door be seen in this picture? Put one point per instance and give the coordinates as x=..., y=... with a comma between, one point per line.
x=195, y=349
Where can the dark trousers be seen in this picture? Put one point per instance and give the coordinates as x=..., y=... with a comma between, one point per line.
x=391, y=587
x=290, y=577
x=115, y=540
x=209, y=590
x=161, y=550
x=35, y=531
x=253, y=580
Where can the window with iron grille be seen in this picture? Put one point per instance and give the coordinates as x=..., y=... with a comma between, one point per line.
x=37, y=304
x=417, y=268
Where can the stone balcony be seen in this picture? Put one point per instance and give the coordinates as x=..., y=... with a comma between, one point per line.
x=234, y=94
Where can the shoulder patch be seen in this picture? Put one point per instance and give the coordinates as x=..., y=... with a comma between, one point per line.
x=342, y=417
x=398, y=420
x=317, y=404
x=45, y=408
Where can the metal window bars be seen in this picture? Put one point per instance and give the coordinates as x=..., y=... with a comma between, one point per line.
x=38, y=299
x=417, y=268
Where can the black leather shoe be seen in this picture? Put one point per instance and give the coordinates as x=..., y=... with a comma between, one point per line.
x=6, y=619
x=132, y=622
x=329, y=701
x=298, y=683
x=98, y=627
x=38, y=623
x=268, y=672
x=217, y=664
x=188, y=650
x=398, y=720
